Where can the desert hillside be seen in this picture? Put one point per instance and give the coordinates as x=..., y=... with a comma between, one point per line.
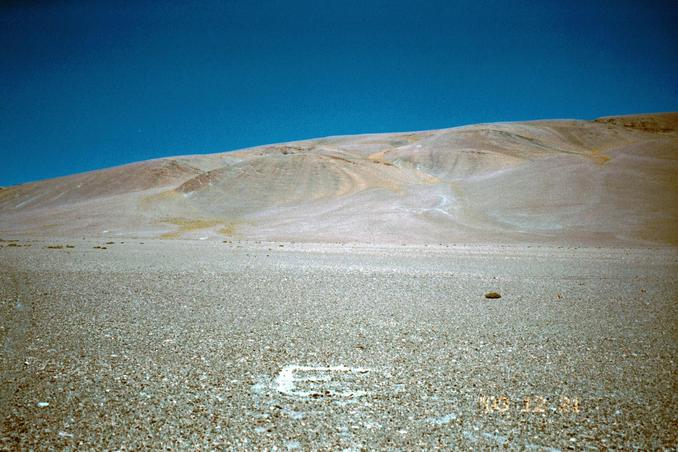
x=608, y=181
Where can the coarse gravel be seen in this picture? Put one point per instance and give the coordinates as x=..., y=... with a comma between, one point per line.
x=250, y=345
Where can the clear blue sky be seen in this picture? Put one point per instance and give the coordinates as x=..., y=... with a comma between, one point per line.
x=91, y=84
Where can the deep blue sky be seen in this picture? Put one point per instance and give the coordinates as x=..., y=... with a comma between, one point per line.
x=90, y=84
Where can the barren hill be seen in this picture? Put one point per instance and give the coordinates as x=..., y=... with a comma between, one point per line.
x=608, y=181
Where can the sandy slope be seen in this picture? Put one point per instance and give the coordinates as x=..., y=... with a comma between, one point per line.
x=608, y=181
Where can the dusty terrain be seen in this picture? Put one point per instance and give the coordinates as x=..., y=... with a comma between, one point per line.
x=609, y=181
x=204, y=344
x=329, y=294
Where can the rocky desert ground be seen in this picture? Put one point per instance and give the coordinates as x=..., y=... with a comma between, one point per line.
x=330, y=294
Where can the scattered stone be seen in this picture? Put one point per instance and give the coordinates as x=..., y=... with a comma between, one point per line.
x=492, y=295
x=42, y=404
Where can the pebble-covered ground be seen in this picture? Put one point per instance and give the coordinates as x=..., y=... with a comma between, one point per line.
x=190, y=344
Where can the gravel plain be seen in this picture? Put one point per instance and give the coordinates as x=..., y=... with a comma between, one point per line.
x=244, y=345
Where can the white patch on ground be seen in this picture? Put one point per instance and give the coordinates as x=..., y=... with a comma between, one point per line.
x=442, y=419
x=542, y=448
x=291, y=393
x=435, y=203
x=296, y=415
x=259, y=388
x=496, y=437
x=470, y=436
x=23, y=203
x=489, y=175
x=442, y=205
x=318, y=381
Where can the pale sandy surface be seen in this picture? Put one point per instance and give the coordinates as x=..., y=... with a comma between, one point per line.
x=189, y=344
x=611, y=181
